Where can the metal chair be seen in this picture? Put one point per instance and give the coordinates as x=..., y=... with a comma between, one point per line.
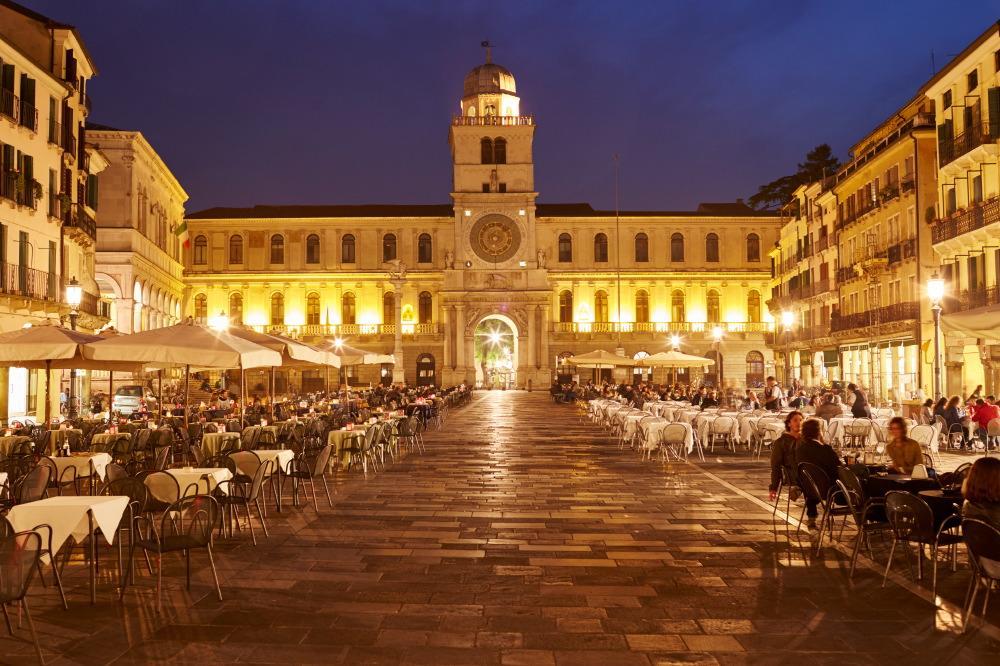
x=868, y=513
x=302, y=469
x=912, y=521
x=983, y=543
x=19, y=557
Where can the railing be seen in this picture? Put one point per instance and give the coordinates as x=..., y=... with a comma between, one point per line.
x=659, y=327
x=909, y=247
x=845, y=274
x=26, y=282
x=55, y=131
x=10, y=104
x=14, y=188
x=908, y=184
x=76, y=217
x=889, y=313
x=970, y=219
x=971, y=138
x=797, y=334
x=492, y=121
x=970, y=299
x=347, y=330
x=92, y=304
x=895, y=254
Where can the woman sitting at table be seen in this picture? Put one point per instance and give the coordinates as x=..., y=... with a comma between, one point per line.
x=939, y=407
x=750, y=402
x=927, y=412
x=953, y=415
x=905, y=453
x=783, y=451
x=813, y=450
x=981, y=490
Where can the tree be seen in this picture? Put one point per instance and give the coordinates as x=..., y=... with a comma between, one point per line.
x=820, y=163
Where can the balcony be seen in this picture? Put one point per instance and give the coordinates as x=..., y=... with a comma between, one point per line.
x=492, y=121
x=659, y=328
x=77, y=221
x=975, y=136
x=15, y=189
x=69, y=141
x=798, y=334
x=888, y=314
x=348, y=330
x=908, y=184
x=970, y=299
x=26, y=282
x=970, y=219
x=55, y=132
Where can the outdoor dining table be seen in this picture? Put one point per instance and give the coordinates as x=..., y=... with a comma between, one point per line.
x=87, y=465
x=279, y=457
x=879, y=485
x=944, y=503
x=10, y=444
x=73, y=516
x=339, y=439
x=212, y=443
x=108, y=437
x=205, y=480
x=59, y=437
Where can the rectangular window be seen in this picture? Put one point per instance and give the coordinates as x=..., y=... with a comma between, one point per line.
x=502, y=187
x=977, y=189
x=908, y=166
x=946, y=100
x=486, y=187
x=973, y=79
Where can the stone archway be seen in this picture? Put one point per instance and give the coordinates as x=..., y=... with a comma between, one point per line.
x=495, y=350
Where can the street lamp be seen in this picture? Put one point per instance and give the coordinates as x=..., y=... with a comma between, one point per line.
x=74, y=296
x=787, y=321
x=935, y=292
x=675, y=341
x=219, y=322
x=717, y=336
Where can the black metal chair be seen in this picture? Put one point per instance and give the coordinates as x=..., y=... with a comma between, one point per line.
x=912, y=521
x=232, y=495
x=815, y=484
x=19, y=557
x=186, y=525
x=868, y=513
x=983, y=543
x=304, y=469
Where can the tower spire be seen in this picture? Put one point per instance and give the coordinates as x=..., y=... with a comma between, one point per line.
x=489, y=50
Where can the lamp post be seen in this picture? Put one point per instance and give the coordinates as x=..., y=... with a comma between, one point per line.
x=74, y=296
x=935, y=292
x=787, y=321
x=717, y=337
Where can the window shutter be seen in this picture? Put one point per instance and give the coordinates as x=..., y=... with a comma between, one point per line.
x=994, y=110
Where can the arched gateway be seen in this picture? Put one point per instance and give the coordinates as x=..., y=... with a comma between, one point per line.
x=495, y=345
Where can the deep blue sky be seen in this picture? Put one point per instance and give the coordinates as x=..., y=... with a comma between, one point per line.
x=310, y=101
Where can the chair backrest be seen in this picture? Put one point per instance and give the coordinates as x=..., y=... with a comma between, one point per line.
x=197, y=454
x=852, y=485
x=192, y=516
x=19, y=554
x=248, y=438
x=922, y=434
x=909, y=516
x=132, y=488
x=673, y=433
x=322, y=459
x=160, y=457
x=956, y=429
x=813, y=481
x=723, y=424
x=247, y=462
x=263, y=472
x=33, y=484
x=162, y=486
x=141, y=439
x=983, y=541
x=114, y=471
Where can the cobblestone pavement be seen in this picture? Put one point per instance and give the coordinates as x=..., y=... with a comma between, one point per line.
x=522, y=536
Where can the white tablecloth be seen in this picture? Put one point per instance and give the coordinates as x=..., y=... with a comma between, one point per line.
x=212, y=442
x=82, y=464
x=67, y=515
x=688, y=434
x=704, y=422
x=280, y=458
x=206, y=478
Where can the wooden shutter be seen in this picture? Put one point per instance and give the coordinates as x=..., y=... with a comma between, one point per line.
x=993, y=95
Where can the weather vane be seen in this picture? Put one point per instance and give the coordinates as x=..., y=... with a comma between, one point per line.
x=489, y=50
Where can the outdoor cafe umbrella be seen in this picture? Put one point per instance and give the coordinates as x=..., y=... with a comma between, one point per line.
x=184, y=345
x=600, y=359
x=353, y=356
x=50, y=347
x=675, y=359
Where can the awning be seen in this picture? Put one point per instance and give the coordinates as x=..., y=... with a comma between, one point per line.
x=982, y=324
x=831, y=358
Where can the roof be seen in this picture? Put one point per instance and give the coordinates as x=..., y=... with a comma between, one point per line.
x=736, y=209
x=489, y=78
x=53, y=24
x=97, y=127
x=944, y=71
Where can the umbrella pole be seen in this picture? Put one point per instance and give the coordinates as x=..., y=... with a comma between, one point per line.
x=48, y=394
x=159, y=389
x=111, y=392
x=187, y=395
x=243, y=396
x=270, y=393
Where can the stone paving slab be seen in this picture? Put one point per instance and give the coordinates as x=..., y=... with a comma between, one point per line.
x=522, y=536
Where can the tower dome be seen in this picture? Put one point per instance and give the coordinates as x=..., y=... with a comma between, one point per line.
x=489, y=79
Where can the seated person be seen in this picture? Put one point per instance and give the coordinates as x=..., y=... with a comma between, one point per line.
x=927, y=412
x=985, y=413
x=710, y=400
x=981, y=491
x=830, y=408
x=904, y=452
x=799, y=400
x=813, y=450
x=783, y=452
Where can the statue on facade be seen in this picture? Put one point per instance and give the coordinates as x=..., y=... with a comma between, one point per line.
x=449, y=259
x=541, y=258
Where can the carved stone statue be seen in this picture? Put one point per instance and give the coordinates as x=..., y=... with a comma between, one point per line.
x=449, y=259
x=541, y=258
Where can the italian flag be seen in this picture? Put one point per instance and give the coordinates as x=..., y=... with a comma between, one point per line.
x=182, y=232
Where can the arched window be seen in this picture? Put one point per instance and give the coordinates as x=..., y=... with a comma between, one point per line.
x=712, y=247
x=565, y=247
x=425, y=249
x=388, y=247
x=755, y=369
x=425, y=308
x=753, y=247
x=499, y=151
x=600, y=247
x=641, y=247
x=201, y=308
x=677, y=313
x=753, y=306
x=277, y=309
x=388, y=308
x=642, y=306
x=236, y=308
x=277, y=249
x=714, y=307
x=566, y=306
x=348, y=315
x=425, y=370
x=200, y=254
x=312, y=249
x=312, y=309
x=486, y=150
x=347, y=249
x=677, y=247
x=236, y=249
x=601, y=306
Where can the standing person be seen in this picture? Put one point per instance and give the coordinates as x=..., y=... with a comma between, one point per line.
x=812, y=450
x=783, y=452
x=772, y=395
x=859, y=408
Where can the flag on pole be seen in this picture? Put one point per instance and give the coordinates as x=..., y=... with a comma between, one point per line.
x=181, y=231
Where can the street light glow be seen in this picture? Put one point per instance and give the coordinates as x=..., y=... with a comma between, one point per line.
x=495, y=337
x=219, y=322
x=717, y=333
x=675, y=341
x=74, y=293
x=935, y=289
x=787, y=318
x=338, y=342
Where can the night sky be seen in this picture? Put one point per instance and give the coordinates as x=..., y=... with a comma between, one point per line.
x=309, y=101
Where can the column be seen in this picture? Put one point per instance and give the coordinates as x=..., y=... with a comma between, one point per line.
x=398, y=369
x=4, y=393
x=459, y=337
x=532, y=338
x=448, y=336
x=546, y=362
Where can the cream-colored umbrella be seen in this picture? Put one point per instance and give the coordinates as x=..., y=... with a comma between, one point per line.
x=675, y=359
x=50, y=347
x=353, y=356
x=184, y=345
x=600, y=359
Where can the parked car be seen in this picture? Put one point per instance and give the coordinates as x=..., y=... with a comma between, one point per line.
x=131, y=398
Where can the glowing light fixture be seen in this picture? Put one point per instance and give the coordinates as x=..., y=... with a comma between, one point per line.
x=675, y=341
x=74, y=293
x=787, y=319
x=338, y=342
x=935, y=289
x=219, y=322
x=717, y=333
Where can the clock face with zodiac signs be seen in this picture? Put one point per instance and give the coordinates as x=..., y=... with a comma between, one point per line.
x=495, y=238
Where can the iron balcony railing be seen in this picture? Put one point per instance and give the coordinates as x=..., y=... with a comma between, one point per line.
x=77, y=217
x=972, y=218
x=16, y=280
x=971, y=299
x=492, y=121
x=347, y=330
x=884, y=315
x=659, y=327
x=977, y=135
x=55, y=132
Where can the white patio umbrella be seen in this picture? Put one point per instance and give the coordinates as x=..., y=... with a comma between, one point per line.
x=184, y=345
x=353, y=356
x=675, y=359
x=600, y=359
x=50, y=347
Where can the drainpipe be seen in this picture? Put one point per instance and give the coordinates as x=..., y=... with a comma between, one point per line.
x=919, y=257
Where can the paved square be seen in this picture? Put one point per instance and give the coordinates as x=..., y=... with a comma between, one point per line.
x=522, y=536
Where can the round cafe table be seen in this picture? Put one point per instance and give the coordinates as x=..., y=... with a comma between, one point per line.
x=878, y=486
x=942, y=503
x=11, y=443
x=341, y=440
x=213, y=442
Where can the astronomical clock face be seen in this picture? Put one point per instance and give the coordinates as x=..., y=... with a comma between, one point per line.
x=495, y=238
